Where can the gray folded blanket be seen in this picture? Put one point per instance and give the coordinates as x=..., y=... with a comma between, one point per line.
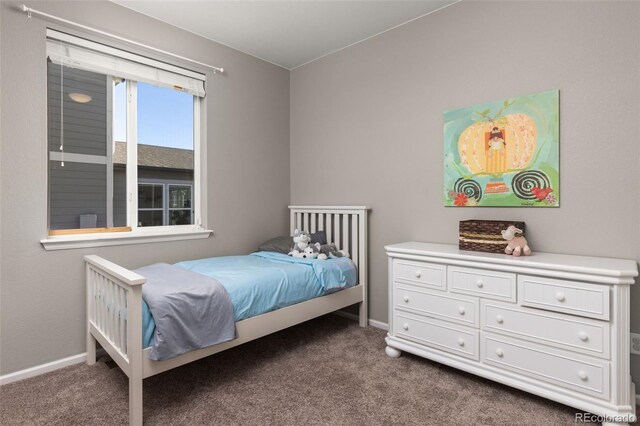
x=190, y=310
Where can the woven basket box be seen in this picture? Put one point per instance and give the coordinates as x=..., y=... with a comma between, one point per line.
x=484, y=235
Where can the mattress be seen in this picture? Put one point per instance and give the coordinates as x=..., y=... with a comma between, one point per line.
x=265, y=281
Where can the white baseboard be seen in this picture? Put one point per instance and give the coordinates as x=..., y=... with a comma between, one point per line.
x=379, y=324
x=373, y=323
x=41, y=369
x=46, y=368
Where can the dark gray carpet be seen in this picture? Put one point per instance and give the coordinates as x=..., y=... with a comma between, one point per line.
x=327, y=371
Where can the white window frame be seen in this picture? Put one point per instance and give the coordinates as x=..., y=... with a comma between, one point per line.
x=148, y=234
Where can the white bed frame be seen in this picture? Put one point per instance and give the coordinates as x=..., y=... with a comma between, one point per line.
x=121, y=337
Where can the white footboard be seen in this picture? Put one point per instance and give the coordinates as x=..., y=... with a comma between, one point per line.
x=114, y=318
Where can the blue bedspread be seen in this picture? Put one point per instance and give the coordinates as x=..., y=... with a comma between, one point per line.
x=264, y=281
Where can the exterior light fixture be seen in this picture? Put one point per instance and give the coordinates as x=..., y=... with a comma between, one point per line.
x=80, y=98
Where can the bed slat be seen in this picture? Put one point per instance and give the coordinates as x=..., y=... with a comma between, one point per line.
x=110, y=311
x=354, y=238
x=122, y=298
x=115, y=314
x=101, y=301
x=345, y=234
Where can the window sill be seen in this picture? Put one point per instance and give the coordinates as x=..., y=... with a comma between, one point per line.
x=140, y=236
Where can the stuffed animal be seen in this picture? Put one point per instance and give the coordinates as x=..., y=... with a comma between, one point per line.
x=330, y=251
x=300, y=242
x=312, y=251
x=517, y=243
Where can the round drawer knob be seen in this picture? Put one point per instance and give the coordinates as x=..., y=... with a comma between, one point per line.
x=405, y=326
x=461, y=310
x=500, y=352
x=479, y=283
x=460, y=341
x=499, y=319
x=583, y=375
x=406, y=299
x=560, y=296
x=418, y=274
x=583, y=336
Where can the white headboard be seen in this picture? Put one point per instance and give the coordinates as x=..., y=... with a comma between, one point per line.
x=346, y=226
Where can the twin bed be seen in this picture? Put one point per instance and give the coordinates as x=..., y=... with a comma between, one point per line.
x=268, y=292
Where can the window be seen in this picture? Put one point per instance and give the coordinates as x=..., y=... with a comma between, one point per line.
x=164, y=203
x=151, y=204
x=123, y=141
x=180, y=197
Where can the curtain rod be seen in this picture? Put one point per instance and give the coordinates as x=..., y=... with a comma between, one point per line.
x=30, y=11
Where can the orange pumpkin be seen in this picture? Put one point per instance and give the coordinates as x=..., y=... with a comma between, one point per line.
x=481, y=154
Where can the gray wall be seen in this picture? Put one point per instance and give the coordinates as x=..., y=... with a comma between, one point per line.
x=42, y=305
x=371, y=116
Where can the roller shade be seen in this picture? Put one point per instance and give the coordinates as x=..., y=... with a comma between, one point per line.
x=77, y=52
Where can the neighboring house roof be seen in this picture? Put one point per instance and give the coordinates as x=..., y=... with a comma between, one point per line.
x=156, y=156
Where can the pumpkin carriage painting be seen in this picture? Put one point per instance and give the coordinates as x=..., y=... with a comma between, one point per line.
x=503, y=153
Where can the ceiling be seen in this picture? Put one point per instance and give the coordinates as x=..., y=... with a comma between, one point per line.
x=286, y=33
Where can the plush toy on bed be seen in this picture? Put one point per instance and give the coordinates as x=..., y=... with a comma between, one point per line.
x=300, y=242
x=312, y=251
x=330, y=251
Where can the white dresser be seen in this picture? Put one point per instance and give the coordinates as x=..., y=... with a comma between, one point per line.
x=550, y=324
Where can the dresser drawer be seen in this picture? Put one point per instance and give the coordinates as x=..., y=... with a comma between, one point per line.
x=479, y=282
x=549, y=365
x=429, y=275
x=461, y=309
x=573, y=333
x=430, y=332
x=573, y=297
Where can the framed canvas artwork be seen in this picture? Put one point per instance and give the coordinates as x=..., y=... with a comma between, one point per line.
x=504, y=153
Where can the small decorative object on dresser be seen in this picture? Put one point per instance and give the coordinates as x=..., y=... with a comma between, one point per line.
x=553, y=325
x=517, y=244
x=486, y=235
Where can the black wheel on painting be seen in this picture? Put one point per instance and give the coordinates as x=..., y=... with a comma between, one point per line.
x=468, y=187
x=525, y=180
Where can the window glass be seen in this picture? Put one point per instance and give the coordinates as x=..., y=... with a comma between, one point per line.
x=77, y=142
x=180, y=204
x=166, y=148
x=150, y=205
x=150, y=218
x=179, y=196
x=150, y=196
x=180, y=217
